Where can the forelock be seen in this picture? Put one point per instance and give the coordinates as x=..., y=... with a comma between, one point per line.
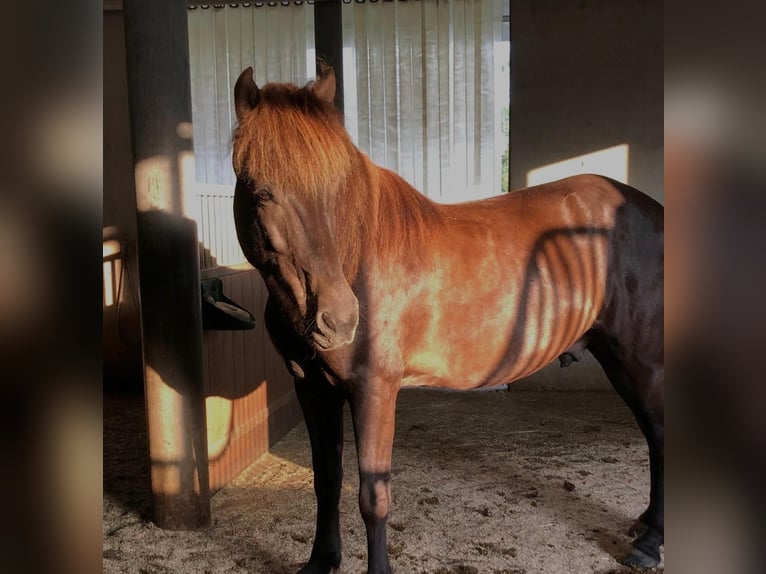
x=293, y=141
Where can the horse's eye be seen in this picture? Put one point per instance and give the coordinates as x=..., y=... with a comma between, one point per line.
x=263, y=195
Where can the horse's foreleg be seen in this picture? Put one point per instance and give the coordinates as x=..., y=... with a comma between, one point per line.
x=373, y=411
x=323, y=412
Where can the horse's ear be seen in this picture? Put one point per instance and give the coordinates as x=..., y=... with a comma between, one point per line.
x=246, y=94
x=324, y=86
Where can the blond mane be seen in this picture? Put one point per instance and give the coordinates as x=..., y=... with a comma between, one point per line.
x=294, y=141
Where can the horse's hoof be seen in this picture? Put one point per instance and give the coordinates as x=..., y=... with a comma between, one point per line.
x=637, y=529
x=639, y=558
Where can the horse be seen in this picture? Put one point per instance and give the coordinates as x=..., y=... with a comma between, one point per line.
x=373, y=287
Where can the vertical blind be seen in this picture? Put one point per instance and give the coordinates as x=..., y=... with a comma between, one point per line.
x=423, y=91
x=425, y=88
x=278, y=41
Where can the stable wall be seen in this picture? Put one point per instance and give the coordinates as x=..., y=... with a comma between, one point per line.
x=249, y=395
x=586, y=76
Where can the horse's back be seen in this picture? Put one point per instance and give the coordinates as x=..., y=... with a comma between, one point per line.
x=517, y=279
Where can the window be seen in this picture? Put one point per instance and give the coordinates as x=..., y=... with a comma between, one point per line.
x=279, y=43
x=426, y=88
x=426, y=93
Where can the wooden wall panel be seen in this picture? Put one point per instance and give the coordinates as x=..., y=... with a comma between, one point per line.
x=250, y=398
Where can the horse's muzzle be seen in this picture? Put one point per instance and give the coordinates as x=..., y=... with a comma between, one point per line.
x=336, y=327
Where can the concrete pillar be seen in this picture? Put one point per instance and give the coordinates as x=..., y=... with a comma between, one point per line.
x=160, y=107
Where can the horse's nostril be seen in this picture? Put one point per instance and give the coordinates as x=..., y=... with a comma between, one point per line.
x=328, y=321
x=335, y=326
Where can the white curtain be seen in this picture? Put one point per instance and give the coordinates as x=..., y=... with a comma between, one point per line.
x=424, y=92
x=277, y=41
x=424, y=87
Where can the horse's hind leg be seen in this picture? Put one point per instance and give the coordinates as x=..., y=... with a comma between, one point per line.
x=323, y=412
x=639, y=383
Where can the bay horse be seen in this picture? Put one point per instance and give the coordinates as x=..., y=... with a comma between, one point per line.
x=373, y=287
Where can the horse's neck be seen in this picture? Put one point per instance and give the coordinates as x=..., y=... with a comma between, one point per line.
x=383, y=217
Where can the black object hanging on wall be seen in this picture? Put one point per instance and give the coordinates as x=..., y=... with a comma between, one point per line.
x=221, y=313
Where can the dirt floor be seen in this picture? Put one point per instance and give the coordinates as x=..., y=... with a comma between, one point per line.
x=498, y=482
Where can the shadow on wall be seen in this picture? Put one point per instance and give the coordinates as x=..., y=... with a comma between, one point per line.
x=247, y=393
x=121, y=325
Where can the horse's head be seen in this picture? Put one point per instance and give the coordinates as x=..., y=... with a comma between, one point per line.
x=291, y=156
